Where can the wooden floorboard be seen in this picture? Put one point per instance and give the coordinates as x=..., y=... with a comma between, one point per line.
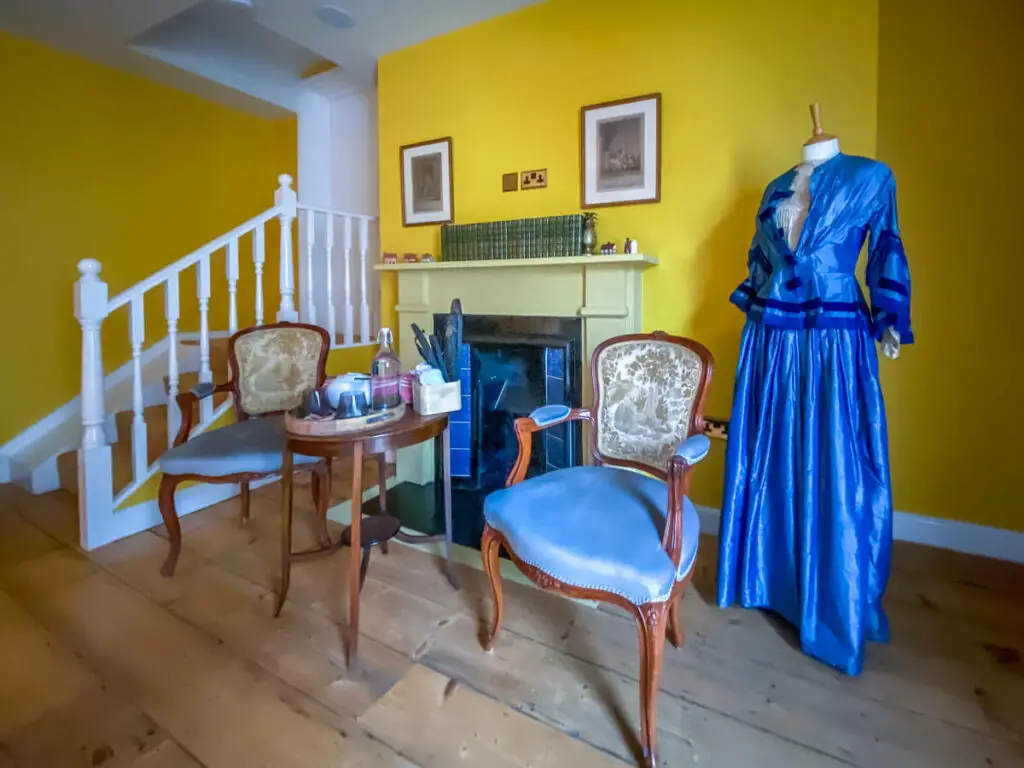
x=112, y=664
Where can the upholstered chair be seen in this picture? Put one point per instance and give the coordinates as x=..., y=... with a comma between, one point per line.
x=272, y=366
x=623, y=530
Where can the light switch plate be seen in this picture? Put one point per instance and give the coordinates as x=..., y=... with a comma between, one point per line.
x=534, y=179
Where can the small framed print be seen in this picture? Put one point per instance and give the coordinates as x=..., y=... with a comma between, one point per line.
x=427, y=190
x=620, y=152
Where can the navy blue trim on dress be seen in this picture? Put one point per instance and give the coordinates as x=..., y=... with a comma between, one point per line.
x=892, y=285
x=766, y=214
x=780, y=194
x=792, y=285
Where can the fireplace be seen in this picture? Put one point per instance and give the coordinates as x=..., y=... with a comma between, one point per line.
x=510, y=365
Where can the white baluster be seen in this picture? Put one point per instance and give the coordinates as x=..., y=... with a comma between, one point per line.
x=349, y=319
x=140, y=444
x=285, y=198
x=231, y=266
x=95, y=476
x=258, y=257
x=172, y=311
x=310, y=241
x=332, y=321
x=364, y=307
x=205, y=373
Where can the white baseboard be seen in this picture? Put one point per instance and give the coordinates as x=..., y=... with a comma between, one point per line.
x=955, y=535
x=143, y=516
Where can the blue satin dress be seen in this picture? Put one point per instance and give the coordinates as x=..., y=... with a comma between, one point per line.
x=807, y=516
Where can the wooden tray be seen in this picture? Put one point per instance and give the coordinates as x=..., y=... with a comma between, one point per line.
x=328, y=427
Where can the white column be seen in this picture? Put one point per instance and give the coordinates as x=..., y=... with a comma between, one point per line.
x=364, y=307
x=332, y=321
x=172, y=311
x=140, y=443
x=285, y=198
x=310, y=242
x=231, y=268
x=349, y=317
x=205, y=373
x=258, y=257
x=95, y=476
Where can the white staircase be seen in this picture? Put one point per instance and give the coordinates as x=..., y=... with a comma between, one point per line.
x=334, y=256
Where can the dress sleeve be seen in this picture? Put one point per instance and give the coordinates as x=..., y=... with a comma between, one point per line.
x=888, y=275
x=758, y=270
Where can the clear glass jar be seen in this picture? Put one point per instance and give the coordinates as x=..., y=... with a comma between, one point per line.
x=385, y=373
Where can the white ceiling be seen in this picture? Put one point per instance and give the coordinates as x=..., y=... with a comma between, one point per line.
x=234, y=55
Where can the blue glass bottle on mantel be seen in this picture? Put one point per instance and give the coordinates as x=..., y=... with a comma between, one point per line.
x=385, y=373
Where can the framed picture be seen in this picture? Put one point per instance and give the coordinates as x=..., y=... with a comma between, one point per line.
x=620, y=152
x=427, y=190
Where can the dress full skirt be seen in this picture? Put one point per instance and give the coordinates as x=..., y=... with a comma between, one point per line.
x=807, y=512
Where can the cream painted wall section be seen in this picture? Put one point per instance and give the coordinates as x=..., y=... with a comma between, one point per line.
x=735, y=79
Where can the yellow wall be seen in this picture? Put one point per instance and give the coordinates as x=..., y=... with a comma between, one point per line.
x=735, y=78
x=99, y=164
x=951, y=103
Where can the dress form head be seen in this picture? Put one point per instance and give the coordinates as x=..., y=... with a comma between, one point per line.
x=821, y=146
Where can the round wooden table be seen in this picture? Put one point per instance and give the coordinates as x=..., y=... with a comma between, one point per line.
x=411, y=429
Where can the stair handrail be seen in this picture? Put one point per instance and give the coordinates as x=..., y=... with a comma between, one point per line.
x=97, y=499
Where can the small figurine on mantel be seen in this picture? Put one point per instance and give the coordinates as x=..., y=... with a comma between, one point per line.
x=634, y=247
x=626, y=246
x=608, y=249
x=427, y=259
x=390, y=258
x=410, y=258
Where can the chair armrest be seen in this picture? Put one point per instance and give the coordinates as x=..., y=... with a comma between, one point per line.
x=188, y=399
x=687, y=454
x=693, y=449
x=542, y=418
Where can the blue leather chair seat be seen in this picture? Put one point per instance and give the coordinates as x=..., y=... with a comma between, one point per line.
x=595, y=527
x=254, y=445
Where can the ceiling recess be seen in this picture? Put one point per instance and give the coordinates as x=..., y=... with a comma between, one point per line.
x=333, y=16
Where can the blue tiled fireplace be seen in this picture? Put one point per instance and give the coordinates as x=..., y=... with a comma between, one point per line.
x=510, y=365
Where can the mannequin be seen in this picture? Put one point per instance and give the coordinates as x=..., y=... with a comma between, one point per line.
x=807, y=502
x=816, y=150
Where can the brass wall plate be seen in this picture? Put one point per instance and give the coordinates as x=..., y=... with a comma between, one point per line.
x=535, y=179
x=509, y=182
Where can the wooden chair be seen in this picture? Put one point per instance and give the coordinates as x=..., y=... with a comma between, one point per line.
x=605, y=532
x=272, y=366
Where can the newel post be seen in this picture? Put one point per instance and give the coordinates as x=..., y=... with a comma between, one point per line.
x=286, y=199
x=95, y=477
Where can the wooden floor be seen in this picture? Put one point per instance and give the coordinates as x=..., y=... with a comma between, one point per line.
x=105, y=663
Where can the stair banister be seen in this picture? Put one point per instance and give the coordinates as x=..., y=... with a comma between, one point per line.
x=95, y=488
x=286, y=202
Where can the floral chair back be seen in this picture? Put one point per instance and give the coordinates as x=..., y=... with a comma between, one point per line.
x=649, y=394
x=273, y=366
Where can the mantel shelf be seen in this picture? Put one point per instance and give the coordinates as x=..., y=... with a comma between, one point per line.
x=627, y=260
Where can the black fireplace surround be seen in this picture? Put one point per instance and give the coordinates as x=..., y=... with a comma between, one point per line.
x=509, y=366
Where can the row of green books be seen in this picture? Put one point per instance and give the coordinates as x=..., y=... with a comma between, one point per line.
x=541, y=238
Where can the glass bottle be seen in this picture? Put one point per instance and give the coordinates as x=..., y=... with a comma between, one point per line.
x=385, y=373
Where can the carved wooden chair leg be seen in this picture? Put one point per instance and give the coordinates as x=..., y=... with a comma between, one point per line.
x=170, y=515
x=490, y=550
x=675, y=624
x=320, y=485
x=651, y=621
x=244, y=485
